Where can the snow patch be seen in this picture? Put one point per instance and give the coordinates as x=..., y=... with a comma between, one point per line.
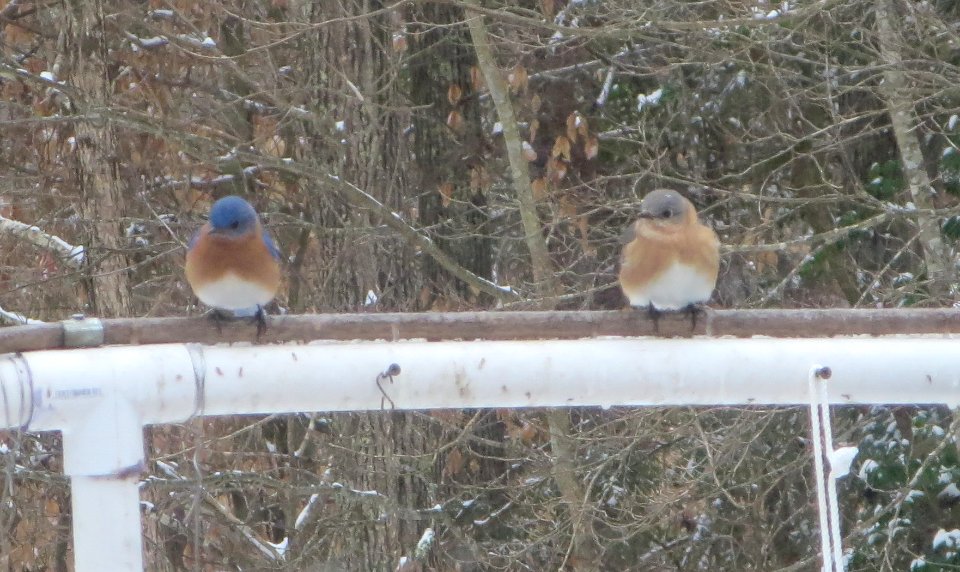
x=281, y=547
x=950, y=492
x=307, y=510
x=868, y=467
x=840, y=461
x=945, y=538
x=649, y=100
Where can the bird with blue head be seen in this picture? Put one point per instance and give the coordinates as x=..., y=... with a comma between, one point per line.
x=233, y=265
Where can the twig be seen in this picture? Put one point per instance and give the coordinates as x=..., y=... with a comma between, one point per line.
x=607, y=84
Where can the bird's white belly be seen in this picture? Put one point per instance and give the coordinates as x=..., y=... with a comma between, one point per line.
x=233, y=294
x=677, y=287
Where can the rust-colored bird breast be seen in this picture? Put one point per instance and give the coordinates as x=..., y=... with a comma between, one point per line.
x=247, y=257
x=657, y=246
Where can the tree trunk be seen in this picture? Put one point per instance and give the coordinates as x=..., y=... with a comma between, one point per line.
x=583, y=555
x=449, y=157
x=897, y=95
x=97, y=168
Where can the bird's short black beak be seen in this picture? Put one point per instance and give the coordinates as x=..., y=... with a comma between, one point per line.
x=645, y=214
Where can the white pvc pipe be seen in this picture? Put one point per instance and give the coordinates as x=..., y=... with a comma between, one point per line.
x=158, y=383
x=16, y=402
x=101, y=398
x=106, y=524
x=833, y=503
x=638, y=372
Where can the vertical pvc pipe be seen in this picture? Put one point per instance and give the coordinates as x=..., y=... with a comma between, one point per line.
x=106, y=524
x=103, y=455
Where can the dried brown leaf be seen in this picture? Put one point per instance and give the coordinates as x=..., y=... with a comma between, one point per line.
x=446, y=193
x=476, y=78
x=455, y=120
x=528, y=152
x=591, y=147
x=572, y=126
x=556, y=170
x=518, y=79
x=539, y=187
x=561, y=148
x=548, y=7
x=454, y=93
x=453, y=463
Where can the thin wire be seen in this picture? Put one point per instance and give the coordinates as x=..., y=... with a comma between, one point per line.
x=822, y=508
x=834, y=505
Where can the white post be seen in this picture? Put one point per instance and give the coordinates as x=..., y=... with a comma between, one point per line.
x=102, y=424
x=103, y=455
x=106, y=524
x=833, y=502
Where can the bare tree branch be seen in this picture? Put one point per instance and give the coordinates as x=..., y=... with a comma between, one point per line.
x=72, y=255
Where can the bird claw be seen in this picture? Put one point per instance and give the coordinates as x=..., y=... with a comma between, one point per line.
x=654, y=315
x=695, y=309
x=261, y=319
x=217, y=317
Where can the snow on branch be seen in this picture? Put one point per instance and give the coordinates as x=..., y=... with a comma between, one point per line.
x=607, y=84
x=17, y=319
x=155, y=42
x=72, y=255
x=196, y=182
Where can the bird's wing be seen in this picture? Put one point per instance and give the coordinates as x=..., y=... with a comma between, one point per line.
x=271, y=245
x=629, y=233
x=194, y=238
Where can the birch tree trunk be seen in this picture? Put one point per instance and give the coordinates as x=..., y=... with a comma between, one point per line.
x=898, y=97
x=583, y=554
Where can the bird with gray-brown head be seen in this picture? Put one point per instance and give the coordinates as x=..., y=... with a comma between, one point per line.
x=670, y=259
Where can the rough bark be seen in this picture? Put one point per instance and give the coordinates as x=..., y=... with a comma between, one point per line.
x=445, y=156
x=97, y=168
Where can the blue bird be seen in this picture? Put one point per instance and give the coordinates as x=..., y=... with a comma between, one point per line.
x=232, y=264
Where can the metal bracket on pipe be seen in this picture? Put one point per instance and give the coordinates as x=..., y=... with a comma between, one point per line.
x=82, y=332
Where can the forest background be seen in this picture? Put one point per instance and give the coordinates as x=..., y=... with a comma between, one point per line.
x=454, y=155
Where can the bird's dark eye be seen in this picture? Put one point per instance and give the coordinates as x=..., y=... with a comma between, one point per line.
x=235, y=224
x=666, y=213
